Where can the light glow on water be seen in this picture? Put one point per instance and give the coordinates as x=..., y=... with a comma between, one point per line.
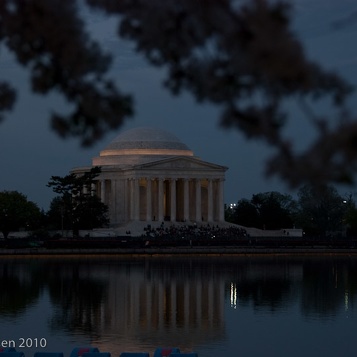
x=233, y=296
x=346, y=300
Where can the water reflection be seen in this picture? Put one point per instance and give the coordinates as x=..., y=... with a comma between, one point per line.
x=326, y=284
x=21, y=286
x=78, y=294
x=129, y=304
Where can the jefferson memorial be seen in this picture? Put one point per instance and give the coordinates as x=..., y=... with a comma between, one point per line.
x=149, y=175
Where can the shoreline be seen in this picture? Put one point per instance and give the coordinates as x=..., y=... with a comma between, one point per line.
x=178, y=251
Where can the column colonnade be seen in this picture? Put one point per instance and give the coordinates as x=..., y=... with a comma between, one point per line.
x=163, y=199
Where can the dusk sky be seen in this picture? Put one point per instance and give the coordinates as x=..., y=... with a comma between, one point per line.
x=31, y=153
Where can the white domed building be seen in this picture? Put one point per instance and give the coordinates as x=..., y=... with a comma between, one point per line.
x=149, y=175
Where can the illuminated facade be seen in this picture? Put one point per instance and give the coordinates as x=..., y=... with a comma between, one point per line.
x=150, y=175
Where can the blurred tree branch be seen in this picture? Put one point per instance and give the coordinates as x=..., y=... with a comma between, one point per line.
x=48, y=38
x=240, y=55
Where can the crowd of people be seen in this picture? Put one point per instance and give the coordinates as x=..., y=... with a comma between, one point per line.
x=194, y=231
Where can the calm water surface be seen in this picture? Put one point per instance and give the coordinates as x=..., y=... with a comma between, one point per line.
x=217, y=306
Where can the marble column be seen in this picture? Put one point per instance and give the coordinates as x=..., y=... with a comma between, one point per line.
x=198, y=201
x=161, y=200
x=113, y=194
x=148, y=200
x=210, y=202
x=131, y=199
x=220, y=201
x=186, y=201
x=127, y=202
x=173, y=200
x=102, y=191
x=136, y=200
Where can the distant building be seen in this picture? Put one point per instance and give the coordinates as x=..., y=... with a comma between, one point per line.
x=150, y=175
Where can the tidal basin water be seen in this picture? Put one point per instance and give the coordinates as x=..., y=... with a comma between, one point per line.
x=216, y=306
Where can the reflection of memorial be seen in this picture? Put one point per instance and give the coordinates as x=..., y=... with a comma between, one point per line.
x=118, y=303
x=188, y=310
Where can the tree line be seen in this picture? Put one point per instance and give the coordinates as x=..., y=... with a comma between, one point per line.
x=319, y=211
x=75, y=207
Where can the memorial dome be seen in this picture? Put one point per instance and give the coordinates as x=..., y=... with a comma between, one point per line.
x=146, y=141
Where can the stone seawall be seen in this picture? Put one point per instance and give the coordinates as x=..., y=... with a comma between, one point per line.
x=183, y=251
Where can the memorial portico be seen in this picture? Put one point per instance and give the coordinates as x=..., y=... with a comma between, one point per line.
x=149, y=175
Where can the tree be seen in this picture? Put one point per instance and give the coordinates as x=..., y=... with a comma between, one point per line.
x=62, y=58
x=245, y=214
x=241, y=56
x=59, y=214
x=276, y=210
x=89, y=212
x=77, y=207
x=17, y=212
x=322, y=210
x=350, y=218
x=268, y=210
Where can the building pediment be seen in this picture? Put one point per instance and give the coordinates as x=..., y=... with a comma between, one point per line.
x=182, y=163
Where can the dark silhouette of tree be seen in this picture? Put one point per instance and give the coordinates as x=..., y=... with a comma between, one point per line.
x=245, y=214
x=58, y=217
x=321, y=211
x=350, y=218
x=268, y=210
x=48, y=37
x=77, y=207
x=241, y=56
x=275, y=210
x=17, y=212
